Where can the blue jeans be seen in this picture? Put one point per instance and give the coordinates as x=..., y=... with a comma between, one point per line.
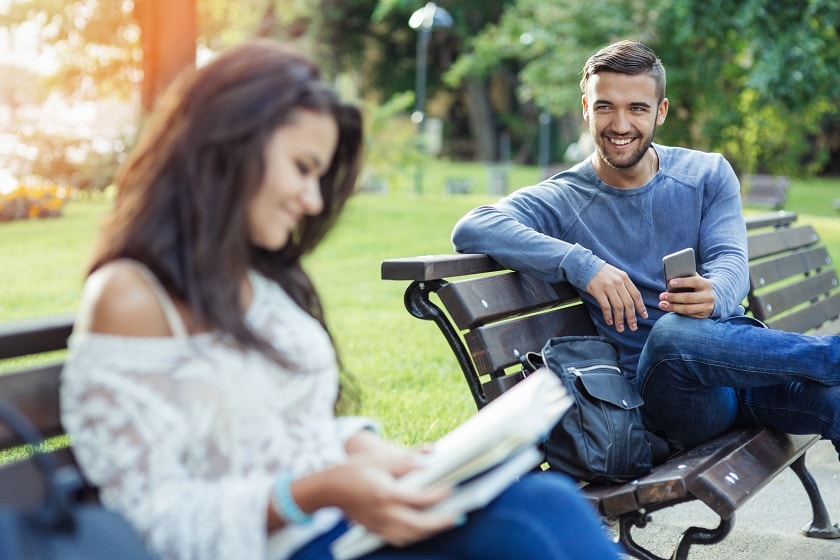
x=700, y=377
x=541, y=516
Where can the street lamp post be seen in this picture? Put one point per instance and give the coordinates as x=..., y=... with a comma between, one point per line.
x=423, y=20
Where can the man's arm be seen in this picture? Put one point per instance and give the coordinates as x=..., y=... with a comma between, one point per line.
x=724, y=279
x=523, y=233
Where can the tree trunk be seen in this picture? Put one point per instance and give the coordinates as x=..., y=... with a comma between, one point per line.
x=168, y=32
x=482, y=126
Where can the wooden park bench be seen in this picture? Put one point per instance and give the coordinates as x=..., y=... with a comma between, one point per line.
x=490, y=316
x=766, y=190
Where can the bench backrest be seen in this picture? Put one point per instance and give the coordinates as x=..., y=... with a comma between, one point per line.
x=30, y=382
x=766, y=190
x=498, y=316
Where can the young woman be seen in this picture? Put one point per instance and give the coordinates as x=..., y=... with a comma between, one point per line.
x=202, y=382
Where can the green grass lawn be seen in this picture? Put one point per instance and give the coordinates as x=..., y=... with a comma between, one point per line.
x=410, y=380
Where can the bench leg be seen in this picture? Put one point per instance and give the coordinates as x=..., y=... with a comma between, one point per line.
x=820, y=527
x=701, y=535
x=417, y=302
x=692, y=536
x=625, y=538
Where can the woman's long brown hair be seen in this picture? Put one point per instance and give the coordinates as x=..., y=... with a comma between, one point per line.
x=183, y=192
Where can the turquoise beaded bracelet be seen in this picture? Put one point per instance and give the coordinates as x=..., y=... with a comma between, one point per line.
x=285, y=504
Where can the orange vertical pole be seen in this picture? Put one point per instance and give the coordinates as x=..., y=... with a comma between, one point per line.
x=168, y=32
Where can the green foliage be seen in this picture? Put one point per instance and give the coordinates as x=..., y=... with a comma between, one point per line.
x=391, y=147
x=97, y=43
x=80, y=162
x=756, y=80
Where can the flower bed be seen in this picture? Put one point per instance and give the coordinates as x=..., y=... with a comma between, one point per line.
x=42, y=200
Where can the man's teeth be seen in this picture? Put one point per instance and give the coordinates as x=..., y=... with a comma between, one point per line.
x=621, y=141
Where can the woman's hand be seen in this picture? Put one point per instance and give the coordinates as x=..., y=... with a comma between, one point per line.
x=365, y=489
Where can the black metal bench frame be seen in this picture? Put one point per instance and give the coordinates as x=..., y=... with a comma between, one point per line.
x=490, y=316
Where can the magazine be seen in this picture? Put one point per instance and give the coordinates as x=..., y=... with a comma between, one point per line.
x=482, y=456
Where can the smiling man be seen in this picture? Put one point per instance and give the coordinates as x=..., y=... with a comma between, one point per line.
x=604, y=226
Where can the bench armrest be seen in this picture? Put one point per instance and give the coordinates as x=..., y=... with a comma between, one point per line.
x=436, y=267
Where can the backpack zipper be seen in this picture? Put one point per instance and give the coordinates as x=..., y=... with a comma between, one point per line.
x=580, y=371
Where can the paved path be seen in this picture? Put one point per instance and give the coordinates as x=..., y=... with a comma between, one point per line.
x=766, y=527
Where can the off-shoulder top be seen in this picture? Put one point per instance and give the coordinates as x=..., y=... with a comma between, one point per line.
x=185, y=435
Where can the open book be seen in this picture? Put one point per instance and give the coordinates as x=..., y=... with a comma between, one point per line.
x=482, y=456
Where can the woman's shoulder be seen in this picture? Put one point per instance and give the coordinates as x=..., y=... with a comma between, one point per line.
x=121, y=298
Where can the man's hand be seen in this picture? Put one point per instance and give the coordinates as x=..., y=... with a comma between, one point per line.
x=618, y=297
x=699, y=303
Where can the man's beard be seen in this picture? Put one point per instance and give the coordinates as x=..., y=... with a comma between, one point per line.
x=635, y=158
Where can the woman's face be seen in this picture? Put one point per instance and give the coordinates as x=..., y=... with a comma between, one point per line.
x=296, y=156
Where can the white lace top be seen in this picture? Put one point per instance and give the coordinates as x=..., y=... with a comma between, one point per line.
x=185, y=435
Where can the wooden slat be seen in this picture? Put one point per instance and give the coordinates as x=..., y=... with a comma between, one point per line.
x=831, y=328
x=763, y=244
x=811, y=317
x=22, y=483
x=612, y=499
x=496, y=346
x=34, y=393
x=746, y=469
x=492, y=298
x=437, y=267
x=671, y=481
x=774, y=269
x=34, y=336
x=772, y=219
x=774, y=302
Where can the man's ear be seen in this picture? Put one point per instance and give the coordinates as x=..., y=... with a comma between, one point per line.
x=662, y=112
x=585, y=105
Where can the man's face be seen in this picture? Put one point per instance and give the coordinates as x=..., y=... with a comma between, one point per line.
x=622, y=112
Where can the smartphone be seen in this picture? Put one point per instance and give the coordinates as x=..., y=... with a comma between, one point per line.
x=679, y=265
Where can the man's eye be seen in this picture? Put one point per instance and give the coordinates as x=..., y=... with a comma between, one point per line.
x=303, y=168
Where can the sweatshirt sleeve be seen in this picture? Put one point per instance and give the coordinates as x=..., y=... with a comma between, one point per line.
x=723, y=241
x=523, y=231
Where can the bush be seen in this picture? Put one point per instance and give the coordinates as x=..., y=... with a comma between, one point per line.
x=39, y=200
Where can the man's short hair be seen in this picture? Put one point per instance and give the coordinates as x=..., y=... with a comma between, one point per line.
x=626, y=57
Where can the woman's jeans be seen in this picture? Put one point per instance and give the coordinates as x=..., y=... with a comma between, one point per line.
x=700, y=377
x=541, y=516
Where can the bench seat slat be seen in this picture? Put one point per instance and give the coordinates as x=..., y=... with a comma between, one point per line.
x=671, y=480
x=762, y=244
x=492, y=298
x=775, y=269
x=733, y=479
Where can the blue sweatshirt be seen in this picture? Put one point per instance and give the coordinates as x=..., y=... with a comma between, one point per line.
x=567, y=227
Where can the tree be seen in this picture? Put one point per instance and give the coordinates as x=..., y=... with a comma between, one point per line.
x=373, y=36
x=755, y=79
